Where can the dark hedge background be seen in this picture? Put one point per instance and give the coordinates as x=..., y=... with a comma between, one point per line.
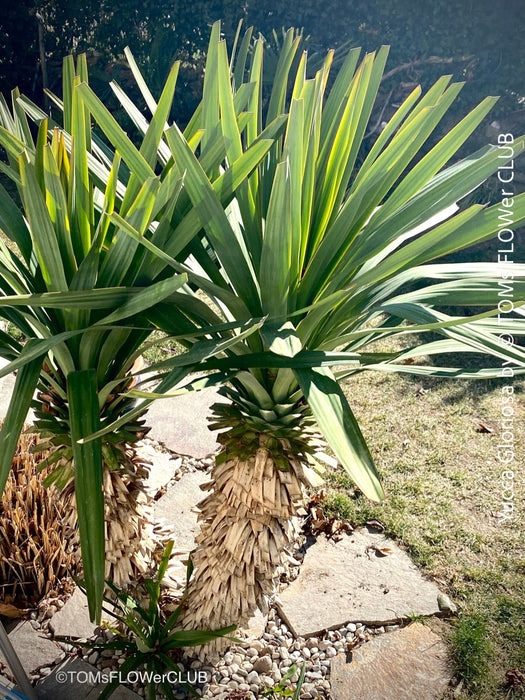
x=481, y=40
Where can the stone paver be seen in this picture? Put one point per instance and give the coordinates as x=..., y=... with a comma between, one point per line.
x=177, y=508
x=181, y=423
x=402, y=665
x=33, y=649
x=349, y=581
x=7, y=384
x=77, y=680
x=256, y=625
x=73, y=619
x=162, y=468
x=177, y=512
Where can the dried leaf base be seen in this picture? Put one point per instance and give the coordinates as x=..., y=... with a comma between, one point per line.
x=246, y=530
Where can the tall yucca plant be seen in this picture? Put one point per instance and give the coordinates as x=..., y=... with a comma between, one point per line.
x=334, y=258
x=62, y=289
x=85, y=296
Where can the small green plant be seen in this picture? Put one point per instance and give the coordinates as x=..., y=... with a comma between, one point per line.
x=149, y=637
x=279, y=690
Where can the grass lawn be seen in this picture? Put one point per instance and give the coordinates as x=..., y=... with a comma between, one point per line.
x=431, y=441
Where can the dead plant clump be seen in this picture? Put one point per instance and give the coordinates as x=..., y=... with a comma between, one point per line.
x=37, y=545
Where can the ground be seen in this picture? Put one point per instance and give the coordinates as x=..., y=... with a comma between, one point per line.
x=436, y=444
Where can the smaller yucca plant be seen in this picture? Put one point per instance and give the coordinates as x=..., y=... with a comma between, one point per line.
x=38, y=547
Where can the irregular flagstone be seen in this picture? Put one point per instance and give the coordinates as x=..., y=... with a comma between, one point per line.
x=181, y=423
x=73, y=619
x=350, y=581
x=78, y=680
x=32, y=648
x=255, y=626
x=178, y=508
x=402, y=665
x=177, y=511
x=7, y=384
x=162, y=467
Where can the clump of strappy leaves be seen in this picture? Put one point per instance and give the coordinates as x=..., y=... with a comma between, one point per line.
x=147, y=636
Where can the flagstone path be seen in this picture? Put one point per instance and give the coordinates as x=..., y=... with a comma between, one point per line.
x=406, y=664
x=364, y=577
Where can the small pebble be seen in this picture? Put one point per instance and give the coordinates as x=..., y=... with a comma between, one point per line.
x=263, y=664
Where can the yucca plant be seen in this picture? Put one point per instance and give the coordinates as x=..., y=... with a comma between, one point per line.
x=333, y=258
x=85, y=297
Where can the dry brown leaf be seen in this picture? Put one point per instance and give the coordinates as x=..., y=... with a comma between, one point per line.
x=376, y=525
x=380, y=551
x=514, y=677
x=11, y=611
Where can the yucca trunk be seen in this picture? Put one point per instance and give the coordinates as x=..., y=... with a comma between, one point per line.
x=247, y=526
x=128, y=514
x=128, y=521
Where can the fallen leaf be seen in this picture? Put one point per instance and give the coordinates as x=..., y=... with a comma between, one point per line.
x=514, y=677
x=376, y=525
x=380, y=551
x=8, y=610
x=445, y=604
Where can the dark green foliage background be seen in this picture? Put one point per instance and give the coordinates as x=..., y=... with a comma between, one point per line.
x=159, y=31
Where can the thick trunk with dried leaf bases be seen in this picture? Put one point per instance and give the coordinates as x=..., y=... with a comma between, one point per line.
x=247, y=529
x=127, y=510
x=128, y=521
x=37, y=545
